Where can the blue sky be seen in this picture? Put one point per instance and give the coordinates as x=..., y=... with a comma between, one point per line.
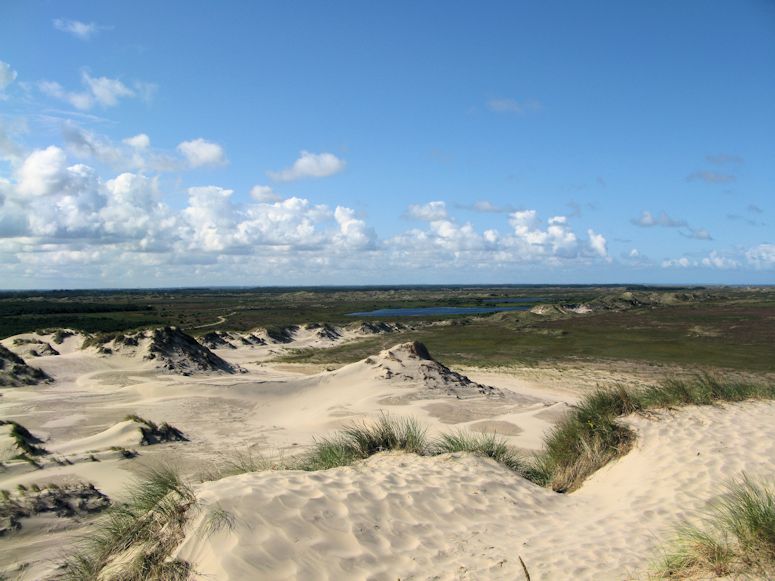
x=202, y=143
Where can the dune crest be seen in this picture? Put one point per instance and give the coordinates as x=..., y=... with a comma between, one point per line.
x=15, y=372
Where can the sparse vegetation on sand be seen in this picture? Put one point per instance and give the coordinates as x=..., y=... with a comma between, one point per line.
x=64, y=500
x=358, y=441
x=153, y=433
x=488, y=445
x=590, y=436
x=137, y=537
x=736, y=537
x=24, y=439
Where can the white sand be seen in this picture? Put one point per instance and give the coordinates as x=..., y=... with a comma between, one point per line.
x=459, y=517
x=392, y=516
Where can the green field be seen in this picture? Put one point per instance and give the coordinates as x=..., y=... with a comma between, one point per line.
x=726, y=328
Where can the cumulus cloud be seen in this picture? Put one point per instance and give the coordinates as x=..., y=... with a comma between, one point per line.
x=62, y=219
x=309, y=165
x=131, y=154
x=78, y=29
x=103, y=91
x=42, y=172
x=648, y=220
x=508, y=105
x=264, y=194
x=201, y=153
x=427, y=212
x=697, y=234
x=7, y=76
x=598, y=243
x=710, y=177
x=139, y=141
x=761, y=256
x=682, y=262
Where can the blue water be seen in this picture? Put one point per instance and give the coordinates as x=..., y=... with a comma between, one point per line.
x=520, y=300
x=434, y=311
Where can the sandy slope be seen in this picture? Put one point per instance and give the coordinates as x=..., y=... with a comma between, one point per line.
x=459, y=517
x=455, y=517
x=269, y=409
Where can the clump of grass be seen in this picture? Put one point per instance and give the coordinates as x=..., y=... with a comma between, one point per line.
x=25, y=440
x=586, y=440
x=218, y=519
x=241, y=462
x=361, y=440
x=136, y=538
x=488, y=445
x=154, y=433
x=736, y=537
x=591, y=436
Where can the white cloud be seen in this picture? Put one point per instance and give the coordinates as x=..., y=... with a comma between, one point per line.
x=647, y=220
x=761, y=256
x=131, y=154
x=139, y=141
x=42, y=172
x=264, y=194
x=309, y=165
x=598, y=243
x=508, y=105
x=7, y=76
x=106, y=91
x=200, y=153
x=427, y=212
x=76, y=28
x=102, y=91
x=353, y=233
x=682, y=262
x=697, y=234
x=716, y=260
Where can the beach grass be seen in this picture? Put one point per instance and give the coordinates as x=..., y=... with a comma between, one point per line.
x=489, y=445
x=360, y=440
x=736, y=537
x=591, y=435
x=135, y=539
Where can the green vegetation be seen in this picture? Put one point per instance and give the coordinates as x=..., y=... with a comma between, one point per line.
x=487, y=445
x=590, y=436
x=717, y=328
x=587, y=439
x=240, y=463
x=361, y=440
x=736, y=538
x=135, y=539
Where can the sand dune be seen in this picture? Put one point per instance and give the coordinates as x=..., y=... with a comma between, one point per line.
x=392, y=516
x=409, y=517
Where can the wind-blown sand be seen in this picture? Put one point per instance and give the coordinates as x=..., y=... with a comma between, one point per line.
x=460, y=517
x=392, y=516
